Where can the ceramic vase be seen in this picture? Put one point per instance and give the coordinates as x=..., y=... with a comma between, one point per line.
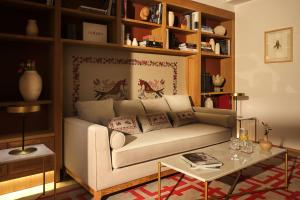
x=128, y=41
x=209, y=103
x=134, y=42
x=30, y=85
x=171, y=18
x=217, y=48
x=212, y=43
x=265, y=144
x=32, y=28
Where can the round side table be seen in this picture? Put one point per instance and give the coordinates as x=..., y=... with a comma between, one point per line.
x=23, y=110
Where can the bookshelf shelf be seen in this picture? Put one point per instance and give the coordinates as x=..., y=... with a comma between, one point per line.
x=129, y=48
x=181, y=30
x=25, y=38
x=28, y=5
x=82, y=14
x=212, y=55
x=214, y=93
x=24, y=103
x=211, y=35
x=134, y=22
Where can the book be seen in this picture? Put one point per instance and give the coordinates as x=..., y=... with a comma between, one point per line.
x=108, y=11
x=202, y=159
x=167, y=39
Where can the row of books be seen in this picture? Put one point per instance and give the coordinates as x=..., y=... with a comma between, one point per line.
x=201, y=160
x=187, y=46
x=156, y=13
x=206, y=82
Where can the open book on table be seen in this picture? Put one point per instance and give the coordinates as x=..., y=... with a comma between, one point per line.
x=201, y=160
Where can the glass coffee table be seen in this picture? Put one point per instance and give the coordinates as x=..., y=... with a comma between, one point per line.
x=231, y=164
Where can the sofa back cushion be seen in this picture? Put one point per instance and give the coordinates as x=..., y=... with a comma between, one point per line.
x=179, y=103
x=227, y=121
x=98, y=112
x=129, y=107
x=156, y=105
x=125, y=124
x=154, y=121
x=182, y=118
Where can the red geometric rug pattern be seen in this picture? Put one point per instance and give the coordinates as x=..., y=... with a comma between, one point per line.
x=269, y=173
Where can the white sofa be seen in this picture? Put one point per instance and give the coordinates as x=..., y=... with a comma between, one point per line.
x=91, y=161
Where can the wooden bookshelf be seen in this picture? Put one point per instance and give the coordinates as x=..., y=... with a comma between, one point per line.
x=25, y=38
x=14, y=137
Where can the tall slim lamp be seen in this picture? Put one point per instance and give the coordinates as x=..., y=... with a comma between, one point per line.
x=237, y=96
x=23, y=110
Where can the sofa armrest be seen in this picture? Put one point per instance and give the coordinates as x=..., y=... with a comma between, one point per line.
x=86, y=150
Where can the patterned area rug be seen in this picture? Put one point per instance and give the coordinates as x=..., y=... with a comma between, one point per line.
x=269, y=173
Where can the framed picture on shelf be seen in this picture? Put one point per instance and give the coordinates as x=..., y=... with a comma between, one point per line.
x=279, y=45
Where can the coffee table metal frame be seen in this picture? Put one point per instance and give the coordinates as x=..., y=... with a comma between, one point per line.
x=229, y=194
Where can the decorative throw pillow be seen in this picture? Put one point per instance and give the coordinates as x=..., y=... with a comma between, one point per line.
x=154, y=121
x=129, y=107
x=99, y=112
x=117, y=140
x=125, y=124
x=179, y=103
x=183, y=118
x=156, y=105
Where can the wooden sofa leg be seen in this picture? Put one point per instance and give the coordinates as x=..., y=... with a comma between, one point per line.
x=97, y=195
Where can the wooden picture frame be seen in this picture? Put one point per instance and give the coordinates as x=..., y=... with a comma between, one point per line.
x=279, y=45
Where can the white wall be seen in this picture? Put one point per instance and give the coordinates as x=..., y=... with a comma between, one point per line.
x=273, y=89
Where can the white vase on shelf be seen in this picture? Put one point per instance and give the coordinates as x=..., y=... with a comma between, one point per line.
x=209, y=103
x=134, y=42
x=217, y=48
x=212, y=43
x=32, y=28
x=171, y=18
x=128, y=41
x=30, y=85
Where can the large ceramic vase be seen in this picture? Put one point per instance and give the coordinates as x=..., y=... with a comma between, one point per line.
x=30, y=85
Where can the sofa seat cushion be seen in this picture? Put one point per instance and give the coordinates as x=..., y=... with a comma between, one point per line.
x=160, y=143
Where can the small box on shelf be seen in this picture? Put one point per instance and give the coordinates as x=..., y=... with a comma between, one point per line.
x=94, y=32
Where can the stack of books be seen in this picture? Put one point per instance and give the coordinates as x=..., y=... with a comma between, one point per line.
x=207, y=29
x=205, y=46
x=187, y=47
x=201, y=160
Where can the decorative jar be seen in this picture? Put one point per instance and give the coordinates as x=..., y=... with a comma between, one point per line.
x=30, y=85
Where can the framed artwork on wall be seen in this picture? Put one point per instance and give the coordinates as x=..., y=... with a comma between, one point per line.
x=279, y=45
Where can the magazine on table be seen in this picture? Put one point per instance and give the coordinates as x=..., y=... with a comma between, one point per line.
x=201, y=160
